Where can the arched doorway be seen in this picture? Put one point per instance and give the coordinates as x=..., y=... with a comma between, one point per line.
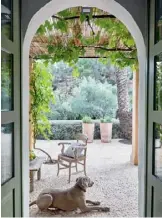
x=122, y=14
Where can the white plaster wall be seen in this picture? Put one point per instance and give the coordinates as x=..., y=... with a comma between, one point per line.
x=122, y=14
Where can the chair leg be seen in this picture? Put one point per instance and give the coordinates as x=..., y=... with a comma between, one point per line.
x=76, y=166
x=85, y=168
x=69, y=172
x=58, y=168
x=39, y=174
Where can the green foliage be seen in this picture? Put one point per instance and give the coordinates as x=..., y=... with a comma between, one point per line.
x=81, y=96
x=119, y=35
x=41, y=96
x=94, y=99
x=88, y=97
x=75, y=72
x=61, y=71
x=68, y=12
x=87, y=119
x=91, y=67
x=62, y=110
x=32, y=155
x=60, y=52
x=6, y=81
x=99, y=69
x=70, y=49
x=86, y=67
x=106, y=120
x=82, y=17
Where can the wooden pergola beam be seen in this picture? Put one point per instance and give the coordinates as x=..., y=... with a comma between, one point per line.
x=39, y=58
x=93, y=16
x=108, y=49
x=44, y=44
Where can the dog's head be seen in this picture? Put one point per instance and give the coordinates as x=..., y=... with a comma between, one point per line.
x=84, y=182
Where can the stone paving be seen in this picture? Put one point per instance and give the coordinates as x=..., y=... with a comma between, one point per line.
x=108, y=165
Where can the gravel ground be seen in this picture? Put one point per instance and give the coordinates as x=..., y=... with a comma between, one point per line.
x=108, y=165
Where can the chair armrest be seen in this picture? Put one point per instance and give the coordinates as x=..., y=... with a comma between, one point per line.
x=84, y=147
x=63, y=146
x=64, y=143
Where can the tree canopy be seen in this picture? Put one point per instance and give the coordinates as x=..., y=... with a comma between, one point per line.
x=88, y=98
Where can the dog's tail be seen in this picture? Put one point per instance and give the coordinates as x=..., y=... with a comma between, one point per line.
x=32, y=203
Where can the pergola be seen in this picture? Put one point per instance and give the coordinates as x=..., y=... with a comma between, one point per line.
x=39, y=48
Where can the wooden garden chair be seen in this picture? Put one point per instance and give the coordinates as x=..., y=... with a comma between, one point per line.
x=66, y=162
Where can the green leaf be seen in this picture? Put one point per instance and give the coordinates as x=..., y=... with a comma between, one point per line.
x=41, y=30
x=82, y=17
x=75, y=72
x=97, y=37
x=50, y=49
x=61, y=25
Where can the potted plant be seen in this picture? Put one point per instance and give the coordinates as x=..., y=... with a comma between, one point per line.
x=106, y=129
x=88, y=128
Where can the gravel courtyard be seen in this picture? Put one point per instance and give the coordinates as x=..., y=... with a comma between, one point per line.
x=108, y=165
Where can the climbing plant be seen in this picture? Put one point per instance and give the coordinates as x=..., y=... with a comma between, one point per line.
x=41, y=96
x=118, y=45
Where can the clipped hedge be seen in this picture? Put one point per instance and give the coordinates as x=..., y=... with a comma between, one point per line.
x=67, y=130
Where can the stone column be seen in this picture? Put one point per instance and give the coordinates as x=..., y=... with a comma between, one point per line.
x=134, y=155
x=31, y=139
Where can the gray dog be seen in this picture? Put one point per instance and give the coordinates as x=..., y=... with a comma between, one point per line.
x=69, y=199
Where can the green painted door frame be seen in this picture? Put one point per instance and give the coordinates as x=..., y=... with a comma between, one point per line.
x=154, y=146
x=11, y=193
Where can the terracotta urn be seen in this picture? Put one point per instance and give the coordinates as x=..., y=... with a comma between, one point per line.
x=106, y=130
x=88, y=128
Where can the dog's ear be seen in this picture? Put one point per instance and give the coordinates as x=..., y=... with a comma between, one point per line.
x=82, y=182
x=77, y=179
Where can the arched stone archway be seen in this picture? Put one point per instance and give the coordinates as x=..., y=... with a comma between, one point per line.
x=124, y=16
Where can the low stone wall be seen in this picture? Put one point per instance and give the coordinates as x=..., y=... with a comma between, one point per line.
x=67, y=130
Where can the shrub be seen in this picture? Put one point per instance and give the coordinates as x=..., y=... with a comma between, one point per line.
x=67, y=130
x=94, y=99
x=106, y=120
x=62, y=110
x=87, y=119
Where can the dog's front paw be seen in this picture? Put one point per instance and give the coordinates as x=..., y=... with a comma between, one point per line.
x=97, y=203
x=106, y=209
